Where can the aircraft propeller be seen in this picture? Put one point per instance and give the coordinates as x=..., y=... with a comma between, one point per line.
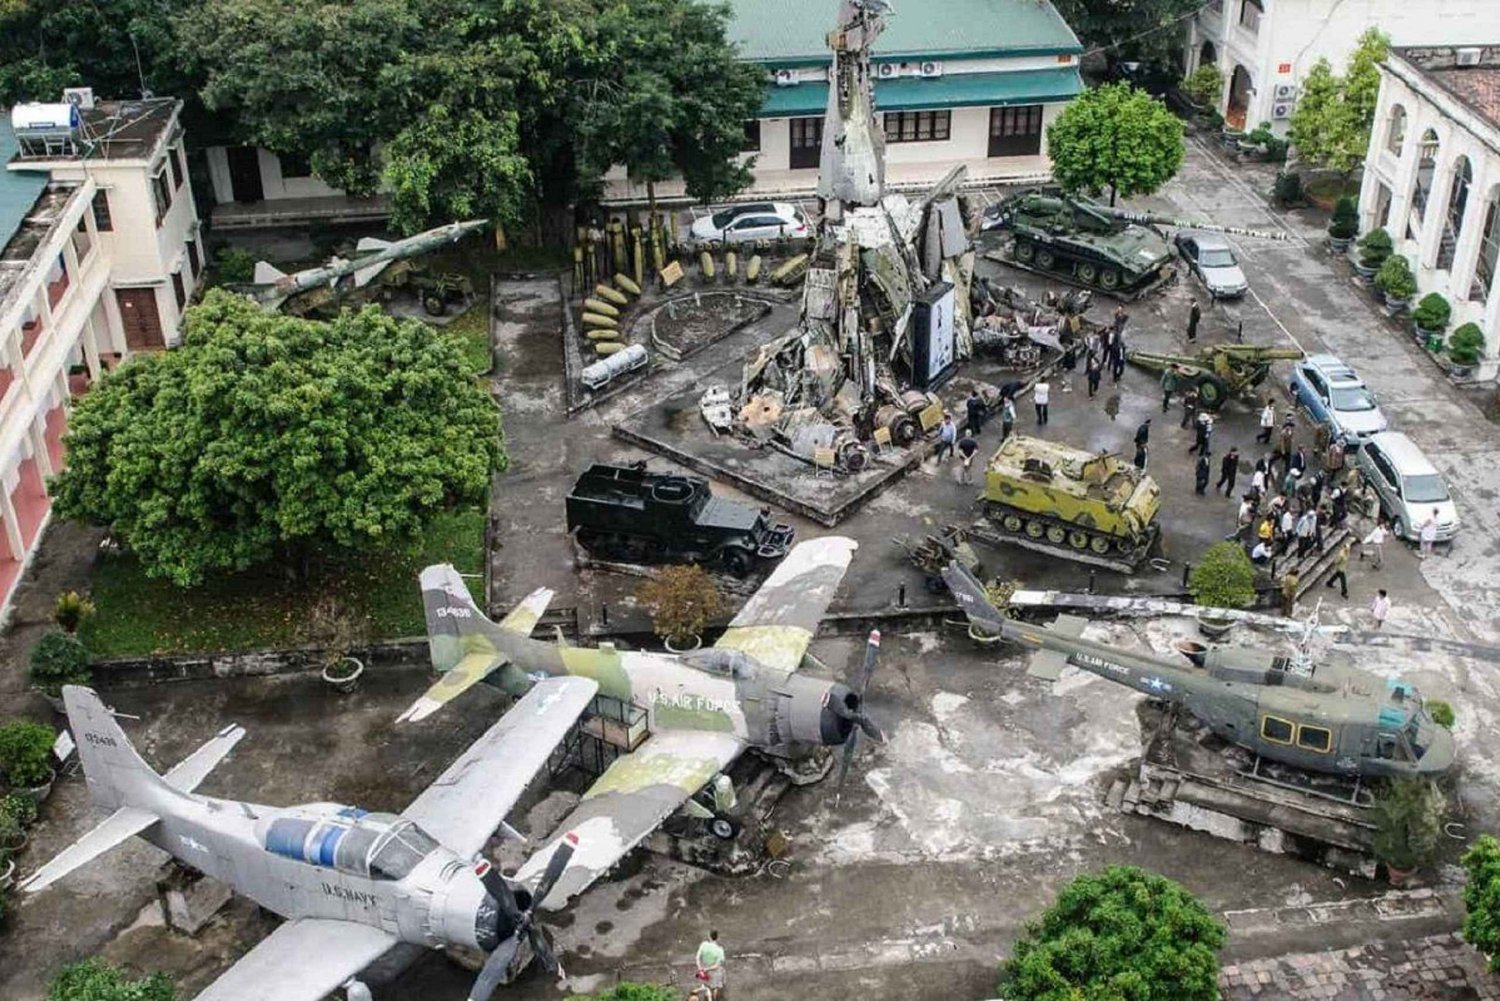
x=861, y=721
x=522, y=923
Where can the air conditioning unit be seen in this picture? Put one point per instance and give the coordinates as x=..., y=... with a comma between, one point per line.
x=1468, y=56
x=1285, y=92
x=81, y=97
x=887, y=71
x=1283, y=111
x=786, y=78
x=931, y=68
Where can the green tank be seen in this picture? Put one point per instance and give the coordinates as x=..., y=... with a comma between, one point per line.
x=1095, y=508
x=1082, y=242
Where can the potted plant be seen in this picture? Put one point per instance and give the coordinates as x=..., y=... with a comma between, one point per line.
x=58, y=659
x=1396, y=282
x=1374, y=247
x=1344, y=225
x=1441, y=713
x=1288, y=191
x=70, y=610
x=1464, y=349
x=333, y=628
x=1408, y=815
x=1431, y=316
x=1223, y=579
x=682, y=601
x=26, y=757
x=1203, y=87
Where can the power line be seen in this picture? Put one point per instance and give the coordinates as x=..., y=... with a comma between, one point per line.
x=1149, y=31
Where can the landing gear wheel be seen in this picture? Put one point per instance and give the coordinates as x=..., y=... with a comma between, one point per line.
x=1109, y=279
x=1211, y=392
x=1035, y=529
x=724, y=828
x=1078, y=540
x=1099, y=544
x=1045, y=260
x=1088, y=272
x=1025, y=251
x=737, y=562
x=1011, y=523
x=1056, y=534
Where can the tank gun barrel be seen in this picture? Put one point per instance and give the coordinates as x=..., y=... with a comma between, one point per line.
x=1150, y=219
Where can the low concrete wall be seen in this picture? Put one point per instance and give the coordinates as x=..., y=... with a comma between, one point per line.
x=128, y=672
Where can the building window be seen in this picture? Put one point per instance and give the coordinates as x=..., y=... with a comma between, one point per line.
x=81, y=242
x=1315, y=738
x=294, y=165
x=178, y=290
x=1458, y=204
x=102, y=221
x=917, y=126
x=193, y=263
x=1489, y=250
x=1422, y=186
x=163, y=196
x=751, y=142
x=1276, y=730
x=1016, y=131
x=1395, y=139
x=1382, y=205
x=807, y=142
x=1250, y=14
x=176, y=162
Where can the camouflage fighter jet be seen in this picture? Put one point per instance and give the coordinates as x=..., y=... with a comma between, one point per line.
x=350, y=884
x=704, y=707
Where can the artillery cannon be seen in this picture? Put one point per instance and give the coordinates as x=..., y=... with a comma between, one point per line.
x=1218, y=371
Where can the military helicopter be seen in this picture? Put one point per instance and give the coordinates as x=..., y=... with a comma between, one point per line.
x=1329, y=717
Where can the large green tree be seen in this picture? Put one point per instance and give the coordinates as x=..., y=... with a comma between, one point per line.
x=1146, y=30
x=95, y=980
x=1116, y=139
x=1334, y=116
x=266, y=436
x=1123, y=933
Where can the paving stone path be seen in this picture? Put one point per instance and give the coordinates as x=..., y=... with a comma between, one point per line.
x=1439, y=968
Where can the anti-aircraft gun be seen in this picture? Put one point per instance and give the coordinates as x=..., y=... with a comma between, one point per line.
x=1218, y=371
x=1079, y=241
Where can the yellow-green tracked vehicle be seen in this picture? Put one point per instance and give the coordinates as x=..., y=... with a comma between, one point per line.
x=1093, y=508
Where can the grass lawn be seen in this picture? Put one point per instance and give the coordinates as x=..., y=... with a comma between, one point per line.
x=1324, y=191
x=473, y=331
x=260, y=608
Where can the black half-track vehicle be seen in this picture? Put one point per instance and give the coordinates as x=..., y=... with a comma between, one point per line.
x=628, y=514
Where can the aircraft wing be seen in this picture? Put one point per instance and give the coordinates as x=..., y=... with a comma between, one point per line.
x=471, y=798
x=777, y=623
x=303, y=960
x=628, y=802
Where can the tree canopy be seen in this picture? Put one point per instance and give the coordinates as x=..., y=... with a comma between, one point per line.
x=1331, y=125
x=266, y=435
x=1117, y=139
x=1123, y=933
x=1147, y=30
x=95, y=980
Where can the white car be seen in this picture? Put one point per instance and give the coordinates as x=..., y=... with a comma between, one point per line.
x=745, y=223
x=1409, y=487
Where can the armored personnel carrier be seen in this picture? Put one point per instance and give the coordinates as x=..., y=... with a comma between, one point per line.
x=1082, y=242
x=629, y=514
x=1094, y=508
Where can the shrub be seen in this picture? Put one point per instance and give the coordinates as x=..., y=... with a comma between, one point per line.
x=59, y=659
x=21, y=807
x=1345, y=222
x=96, y=980
x=1482, y=899
x=1408, y=815
x=235, y=266
x=1121, y=933
x=1441, y=712
x=1433, y=312
x=1466, y=344
x=71, y=609
x=682, y=600
x=1395, y=278
x=26, y=752
x=627, y=991
x=10, y=833
x=1204, y=85
x=1288, y=190
x=1374, y=247
x=1224, y=578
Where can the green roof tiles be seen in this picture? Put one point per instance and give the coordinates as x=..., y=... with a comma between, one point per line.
x=795, y=31
x=18, y=190
x=955, y=90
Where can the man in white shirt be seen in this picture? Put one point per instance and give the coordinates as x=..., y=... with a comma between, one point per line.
x=1428, y=535
x=1374, y=543
x=1261, y=554
x=1380, y=607
x=1267, y=421
x=1041, y=394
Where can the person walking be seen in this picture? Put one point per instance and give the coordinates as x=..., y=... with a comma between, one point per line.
x=1117, y=344
x=1290, y=581
x=967, y=447
x=1168, y=386
x=1093, y=371
x=1189, y=407
x=1380, y=607
x=1338, y=504
x=1007, y=418
x=1427, y=536
x=1140, y=455
x=1203, y=430
x=1341, y=569
x=1373, y=544
x=1143, y=432
x=974, y=412
x=1244, y=520
x=947, y=438
x=1258, y=480
x=1286, y=530
x=1298, y=461
x=1121, y=318
x=1307, y=531
x=1041, y=394
x=1194, y=315
x=710, y=962
x=1202, y=475
x=1229, y=468
x=1333, y=459
x=1267, y=421
x=1287, y=442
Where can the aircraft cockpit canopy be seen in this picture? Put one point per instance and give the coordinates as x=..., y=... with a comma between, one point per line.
x=725, y=663
x=372, y=845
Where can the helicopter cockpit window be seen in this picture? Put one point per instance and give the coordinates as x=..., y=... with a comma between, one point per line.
x=403, y=847
x=1276, y=730
x=1315, y=738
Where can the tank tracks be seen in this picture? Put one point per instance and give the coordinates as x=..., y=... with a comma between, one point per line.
x=1005, y=255
x=1003, y=526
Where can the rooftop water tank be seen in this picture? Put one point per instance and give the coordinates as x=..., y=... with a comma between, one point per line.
x=37, y=117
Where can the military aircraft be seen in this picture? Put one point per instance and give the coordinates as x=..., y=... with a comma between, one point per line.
x=1329, y=717
x=703, y=707
x=350, y=884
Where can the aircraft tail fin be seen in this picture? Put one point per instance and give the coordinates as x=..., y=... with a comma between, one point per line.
x=973, y=598
x=119, y=826
x=116, y=774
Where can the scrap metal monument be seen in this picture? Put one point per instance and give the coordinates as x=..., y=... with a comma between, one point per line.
x=885, y=309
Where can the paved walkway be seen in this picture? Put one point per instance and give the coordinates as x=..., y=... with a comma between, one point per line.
x=1440, y=967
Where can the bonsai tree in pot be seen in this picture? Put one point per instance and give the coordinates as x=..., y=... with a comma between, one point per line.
x=333, y=627
x=1465, y=347
x=1203, y=88
x=1344, y=225
x=1374, y=247
x=1408, y=815
x=1396, y=282
x=58, y=659
x=1224, y=578
x=682, y=601
x=1431, y=316
x=26, y=756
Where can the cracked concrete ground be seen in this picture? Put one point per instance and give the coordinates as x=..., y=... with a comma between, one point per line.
x=987, y=797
